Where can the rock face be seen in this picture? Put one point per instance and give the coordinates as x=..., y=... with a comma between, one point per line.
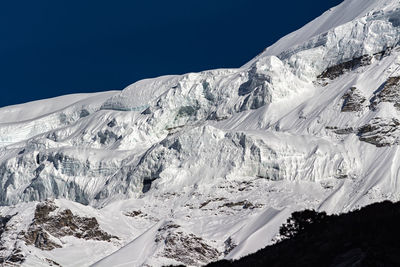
x=338, y=70
x=389, y=92
x=186, y=248
x=45, y=227
x=3, y=223
x=380, y=132
x=353, y=100
x=15, y=257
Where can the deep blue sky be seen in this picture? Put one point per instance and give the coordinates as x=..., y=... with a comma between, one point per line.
x=55, y=47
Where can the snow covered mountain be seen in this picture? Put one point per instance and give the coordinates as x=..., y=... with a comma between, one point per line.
x=194, y=168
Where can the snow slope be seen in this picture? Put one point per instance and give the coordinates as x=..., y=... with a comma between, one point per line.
x=193, y=168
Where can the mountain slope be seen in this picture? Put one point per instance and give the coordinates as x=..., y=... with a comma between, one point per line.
x=219, y=158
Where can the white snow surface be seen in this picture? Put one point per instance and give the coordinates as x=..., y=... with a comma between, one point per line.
x=221, y=157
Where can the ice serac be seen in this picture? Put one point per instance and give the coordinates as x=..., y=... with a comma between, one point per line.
x=178, y=167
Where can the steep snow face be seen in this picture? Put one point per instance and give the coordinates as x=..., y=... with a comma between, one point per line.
x=21, y=122
x=344, y=13
x=216, y=158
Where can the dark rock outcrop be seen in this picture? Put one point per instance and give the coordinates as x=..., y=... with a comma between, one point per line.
x=380, y=132
x=185, y=247
x=338, y=70
x=242, y=204
x=3, y=223
x=389, y=92
x=46, y=227
x=353, y=100
x=344, y=131
x=15, y=258
x=11, y=257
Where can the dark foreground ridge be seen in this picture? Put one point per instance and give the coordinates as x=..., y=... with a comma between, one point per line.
x=366, y=237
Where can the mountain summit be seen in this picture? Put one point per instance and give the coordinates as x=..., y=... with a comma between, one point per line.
x=204, y=166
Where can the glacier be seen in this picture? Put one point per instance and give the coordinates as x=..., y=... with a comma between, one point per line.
x=221, y=157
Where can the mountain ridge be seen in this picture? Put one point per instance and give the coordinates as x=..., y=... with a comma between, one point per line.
x=219, y=158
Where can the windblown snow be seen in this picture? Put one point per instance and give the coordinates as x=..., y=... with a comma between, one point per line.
x=194, y=168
